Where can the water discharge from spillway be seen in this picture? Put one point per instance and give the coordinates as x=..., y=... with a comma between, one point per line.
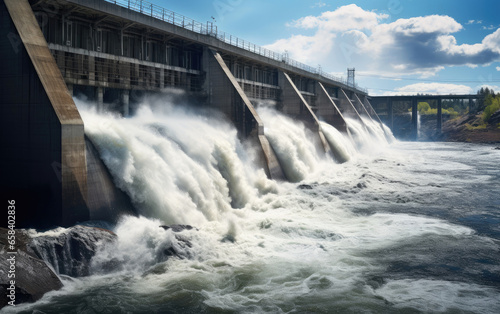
x=350, y=237
x=175, y=166
x=185, y=167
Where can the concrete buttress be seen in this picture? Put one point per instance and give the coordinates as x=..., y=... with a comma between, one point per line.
x=43, y=161
x=294, y=105
x=226, y=95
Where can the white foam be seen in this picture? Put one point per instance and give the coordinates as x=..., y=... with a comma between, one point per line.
x=262, y=245
x=440, y=296
x=292, y=142
x=340, y=143
x=175, y=166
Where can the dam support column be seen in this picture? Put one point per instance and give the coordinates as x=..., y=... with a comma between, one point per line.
x=43, y=166
x=125, y=100
x=328, y=110
x=225, y=94
x=374, y=116
x=362, y=109
x=348, y=108
x=99, y=95
x=294, y=105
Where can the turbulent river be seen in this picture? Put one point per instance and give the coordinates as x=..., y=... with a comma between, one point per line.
x=400, y=227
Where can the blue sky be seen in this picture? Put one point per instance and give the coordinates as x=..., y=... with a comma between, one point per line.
x=396, y=46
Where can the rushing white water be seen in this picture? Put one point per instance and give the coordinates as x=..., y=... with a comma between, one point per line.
x=176, y=167
x=419, y=125
x=340, y=143
x=375, y=234
x=293, y=144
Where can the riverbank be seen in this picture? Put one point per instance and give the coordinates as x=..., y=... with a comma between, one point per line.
x=470, y=128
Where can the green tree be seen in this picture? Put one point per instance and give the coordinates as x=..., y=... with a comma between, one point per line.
x=493, y=107
x=423, y=107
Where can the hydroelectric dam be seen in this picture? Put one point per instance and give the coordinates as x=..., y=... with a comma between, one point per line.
x=115, y=52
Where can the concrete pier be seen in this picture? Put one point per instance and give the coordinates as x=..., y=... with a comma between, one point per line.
x=99, y=96
x=348, y=108
x=125, y=102
x=295, y=105
x=328, y=110
x=44, y=164
x=225, y=93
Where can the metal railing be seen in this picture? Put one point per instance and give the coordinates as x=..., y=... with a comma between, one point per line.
x=208, y=28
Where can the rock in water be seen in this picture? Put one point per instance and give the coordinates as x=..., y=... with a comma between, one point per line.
x=33, y=278
x=180, y=248
x=71, y=251
x=177, y=228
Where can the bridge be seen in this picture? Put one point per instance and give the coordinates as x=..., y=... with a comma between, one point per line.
x=385, y=108
x=114, y=52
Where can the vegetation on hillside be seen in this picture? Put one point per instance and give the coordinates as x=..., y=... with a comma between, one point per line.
x=425, y=109
x=491, y=103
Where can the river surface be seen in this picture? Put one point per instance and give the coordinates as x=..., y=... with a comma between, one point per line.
x=401, y=227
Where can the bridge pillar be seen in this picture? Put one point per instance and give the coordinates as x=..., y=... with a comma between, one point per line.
x=414, y=118
x=439, y=114
x=70, y=89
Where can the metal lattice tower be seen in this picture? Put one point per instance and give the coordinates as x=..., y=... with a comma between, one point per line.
x=350, y=77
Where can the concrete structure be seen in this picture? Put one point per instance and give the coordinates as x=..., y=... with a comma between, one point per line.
x=43, y=160
x=45, y=165
x=117, y=50
x=385, y=108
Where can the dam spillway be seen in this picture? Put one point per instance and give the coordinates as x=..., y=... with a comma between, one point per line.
x=107, y=50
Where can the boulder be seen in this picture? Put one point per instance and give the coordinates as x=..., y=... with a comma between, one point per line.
x=177, y=228
x=70, y=252
x=33, y=278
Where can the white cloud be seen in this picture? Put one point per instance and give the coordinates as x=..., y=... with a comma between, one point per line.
x=474, y=22
x=491, y=27
x=498, y=68
x=344, y=18
x=424, y=24
x=431, y=88
x=319, y=4
x=492, y=41
x=350, y=36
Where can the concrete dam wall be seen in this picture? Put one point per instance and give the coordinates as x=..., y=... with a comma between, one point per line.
x=51, y=50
